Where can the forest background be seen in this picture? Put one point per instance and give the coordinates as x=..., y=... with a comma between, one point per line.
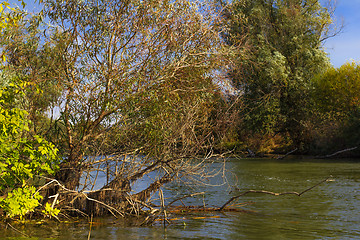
x=161, y=87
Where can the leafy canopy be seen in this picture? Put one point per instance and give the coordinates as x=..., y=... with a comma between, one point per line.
x=285, y=40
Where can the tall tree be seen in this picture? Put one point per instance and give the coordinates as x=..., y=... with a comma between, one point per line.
x=286, y=51
x=137, y=79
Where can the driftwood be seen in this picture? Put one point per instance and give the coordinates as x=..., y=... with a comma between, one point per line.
x=337, y=153
x=287, y=154
x=272, y=193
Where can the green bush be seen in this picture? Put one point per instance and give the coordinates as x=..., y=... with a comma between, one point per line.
x=22, y=156
x=21, y=201
x=336, y=118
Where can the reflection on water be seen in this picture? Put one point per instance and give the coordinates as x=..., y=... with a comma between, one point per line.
x=330, y=211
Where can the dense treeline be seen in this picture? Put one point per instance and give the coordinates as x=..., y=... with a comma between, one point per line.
x=285, y=81
x=128, y=88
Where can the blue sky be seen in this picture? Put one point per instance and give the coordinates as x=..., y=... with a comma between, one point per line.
x=341, y=48
x=346, y=46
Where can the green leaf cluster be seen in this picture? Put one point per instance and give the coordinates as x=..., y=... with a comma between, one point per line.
x=50, y=211
x=21, y=158
x=21, y=201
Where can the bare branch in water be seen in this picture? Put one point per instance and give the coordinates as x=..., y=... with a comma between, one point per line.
x=272, y=193
x=338, y=152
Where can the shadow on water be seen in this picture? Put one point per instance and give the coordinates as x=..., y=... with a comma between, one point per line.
x=330, y=211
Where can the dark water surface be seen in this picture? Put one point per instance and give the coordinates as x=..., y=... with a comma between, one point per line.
x=329, y=211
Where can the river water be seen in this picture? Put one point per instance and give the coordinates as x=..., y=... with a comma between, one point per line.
x=329, y=211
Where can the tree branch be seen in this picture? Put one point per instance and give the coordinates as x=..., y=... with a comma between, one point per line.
x=272, y=193
x=287, y=154
x=338, y=152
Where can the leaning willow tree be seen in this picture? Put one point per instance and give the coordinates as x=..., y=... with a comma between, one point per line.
x=137, y=95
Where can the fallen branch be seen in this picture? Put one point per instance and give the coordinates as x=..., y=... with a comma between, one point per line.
x=287, y=154
x=201, y=209
x=272, y=193
x=338, y=152
x=251, y=154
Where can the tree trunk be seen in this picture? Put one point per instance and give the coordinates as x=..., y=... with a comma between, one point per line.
x=70, y=169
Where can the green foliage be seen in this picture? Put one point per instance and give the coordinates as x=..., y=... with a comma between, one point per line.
x=285, y=40
x=21, y=201
x=9, y=18
x=175, y=120
x=30, y=60
x=135, y=75
x=21, y=157
x=22, y=154
x=336, y=118
x=50, y=211
x=5, y=21
x=337, y=91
